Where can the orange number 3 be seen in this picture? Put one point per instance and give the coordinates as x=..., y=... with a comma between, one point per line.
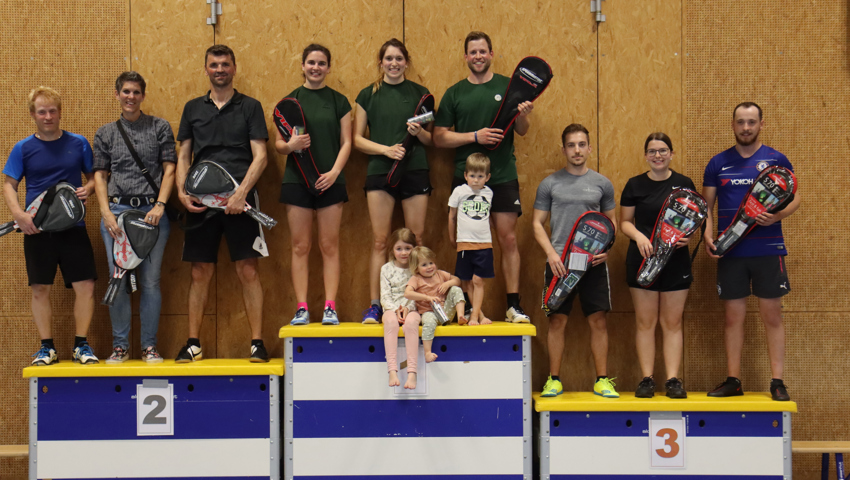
x=670, y=441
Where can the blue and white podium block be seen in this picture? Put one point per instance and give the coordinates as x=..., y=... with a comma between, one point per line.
x=469, y=417
x=214, y=419
x=589, y=437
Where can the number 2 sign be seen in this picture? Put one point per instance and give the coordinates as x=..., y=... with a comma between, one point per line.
x=667, y=441
x=155, y=408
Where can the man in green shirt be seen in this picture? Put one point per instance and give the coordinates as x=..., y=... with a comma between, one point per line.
x=470, y=107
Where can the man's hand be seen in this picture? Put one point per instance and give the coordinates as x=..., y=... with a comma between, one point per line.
x=235, y=204
x=490, y=136
x=25, y=224
x=766, y=219
x=556, y=265
x=191, y=203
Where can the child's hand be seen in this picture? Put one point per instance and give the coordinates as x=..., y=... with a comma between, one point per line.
x=445, y=287
x=401, y=312
x=435, y=298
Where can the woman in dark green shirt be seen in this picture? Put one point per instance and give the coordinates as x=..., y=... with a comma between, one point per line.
x=384, y=108
x=328, y=116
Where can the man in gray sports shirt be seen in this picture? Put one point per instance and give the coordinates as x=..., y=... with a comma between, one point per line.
x=567, y=194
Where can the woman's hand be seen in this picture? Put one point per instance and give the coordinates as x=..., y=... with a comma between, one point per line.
x=396, y=152
x=111, y=224
x=644, y=245
x=326, y=180
x=154, y=215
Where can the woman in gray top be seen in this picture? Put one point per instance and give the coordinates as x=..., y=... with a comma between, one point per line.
x=120, y=186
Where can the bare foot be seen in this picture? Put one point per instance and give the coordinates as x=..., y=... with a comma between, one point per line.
x=485, y=320
x=394, y=382
x=410, y=384
x=462, y=320
x=473, y=320
x=430, y=357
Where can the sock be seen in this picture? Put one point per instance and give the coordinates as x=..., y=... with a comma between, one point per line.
x=48, y=342
x=331, y=304
x=302, y=305
x=257, y=343
x=601, y=377
x=78, y=340
x=513, y=300
x=195, y=342
x=376, y=302
x=555, y=377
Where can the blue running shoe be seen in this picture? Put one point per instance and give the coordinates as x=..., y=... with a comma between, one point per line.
x=330, y=317
x=373, y=314
x=302, y=317
x=45, y=356
x=84, y=355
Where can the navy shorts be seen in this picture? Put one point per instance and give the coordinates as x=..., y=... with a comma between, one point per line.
x=474, y=262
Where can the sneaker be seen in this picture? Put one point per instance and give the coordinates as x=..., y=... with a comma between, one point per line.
x=605, y=388
x=553, y=388
x=731, y=387
x=516, y=315
x=119, y=355
x=189, y=354
x=45, y=356
x=84, y=355
x=150, y=355
x=467, y=310
x=302, y=317
x=675, y=389
x=372, y=314
x=330, y=318
x=779, y=391
x=258, y=354
x=646, y=388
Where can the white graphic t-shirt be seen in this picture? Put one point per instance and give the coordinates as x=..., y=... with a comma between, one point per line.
x=473, y=213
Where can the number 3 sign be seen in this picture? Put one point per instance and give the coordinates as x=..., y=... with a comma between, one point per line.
x=155, y=408
x=666, y=440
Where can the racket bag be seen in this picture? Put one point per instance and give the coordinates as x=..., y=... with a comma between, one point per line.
x=56, y=209
x=213, y=186
x=426, y=105
x=134, y=241
x=530, y=78
x=289, y=117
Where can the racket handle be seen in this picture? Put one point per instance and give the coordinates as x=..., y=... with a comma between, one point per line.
x=111, y=291
x=8, y=227
x=260, y=217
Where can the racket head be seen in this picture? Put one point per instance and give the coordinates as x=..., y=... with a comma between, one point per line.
x=60, y=209
x=207, y=177
x=141, y=235
x=287, y=116
x=530, y=78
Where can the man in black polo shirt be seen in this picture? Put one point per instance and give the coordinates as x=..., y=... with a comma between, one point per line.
x=228, y=128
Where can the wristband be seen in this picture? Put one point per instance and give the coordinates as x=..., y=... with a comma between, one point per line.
x=476, y=136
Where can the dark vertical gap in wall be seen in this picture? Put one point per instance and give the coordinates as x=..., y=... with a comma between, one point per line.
x=598, y=128
x=403, y=26
x=130, y=32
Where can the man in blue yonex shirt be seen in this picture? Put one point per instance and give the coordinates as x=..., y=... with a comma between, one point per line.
x=46, y=158
x=758, y=258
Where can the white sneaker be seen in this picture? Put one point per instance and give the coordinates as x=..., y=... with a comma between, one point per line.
x=516, y=315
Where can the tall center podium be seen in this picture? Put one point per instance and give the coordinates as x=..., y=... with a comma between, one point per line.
x=469, y=417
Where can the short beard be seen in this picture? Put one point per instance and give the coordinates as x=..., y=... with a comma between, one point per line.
x=747, y=144
x=471, y=69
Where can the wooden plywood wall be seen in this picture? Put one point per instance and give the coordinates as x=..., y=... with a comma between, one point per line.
x=791, y=58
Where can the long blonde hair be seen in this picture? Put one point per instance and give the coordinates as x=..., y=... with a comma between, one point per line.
x=393, y=42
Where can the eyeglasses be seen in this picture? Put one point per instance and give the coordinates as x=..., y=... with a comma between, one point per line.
x=662, y=151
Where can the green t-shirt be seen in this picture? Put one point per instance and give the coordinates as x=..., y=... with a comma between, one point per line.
x=323, y=109
x=468, y=108
x=387, y=111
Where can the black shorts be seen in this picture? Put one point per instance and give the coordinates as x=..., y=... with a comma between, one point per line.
x=594, y=291
x=69, y=249
x=241, y=231
x=417, y=182
x=676, y=275
x=768, y=275
x=505, y=196
x=296, y=194
x=474, y=262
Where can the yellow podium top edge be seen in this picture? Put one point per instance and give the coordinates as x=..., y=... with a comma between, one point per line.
x=212, y=367
x=696, y=402
x=352, y=329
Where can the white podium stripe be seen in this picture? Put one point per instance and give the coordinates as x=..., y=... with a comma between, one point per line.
x=341, y=457
x=153, y=458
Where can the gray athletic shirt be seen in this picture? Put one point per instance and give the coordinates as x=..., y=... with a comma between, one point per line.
x=566, y=196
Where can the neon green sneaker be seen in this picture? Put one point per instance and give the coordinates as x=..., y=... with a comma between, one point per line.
x=605, y=388
x=553, y=388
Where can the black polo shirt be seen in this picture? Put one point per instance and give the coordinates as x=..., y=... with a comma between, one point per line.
x=224, y=135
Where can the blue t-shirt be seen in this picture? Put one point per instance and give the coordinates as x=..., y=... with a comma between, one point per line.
x=733, y=175
x=45, y=164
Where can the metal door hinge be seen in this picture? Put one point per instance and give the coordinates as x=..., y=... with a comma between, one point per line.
x=596, y=7
x=215, y=11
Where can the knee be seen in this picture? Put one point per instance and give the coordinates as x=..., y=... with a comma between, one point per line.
x=672, y=324
x=379, y=244
x=557, y=323
x=300, y=248
x=772, y=321
x=477, y=281
x=40, y=292
x=329, y=245
x=597, y=322
x=647, y=324
x=84, y=289
x=247, y=272
x=202, y=272
x=507, y=240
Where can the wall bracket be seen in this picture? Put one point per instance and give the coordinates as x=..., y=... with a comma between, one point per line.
x=215, y=11
x=596, y=7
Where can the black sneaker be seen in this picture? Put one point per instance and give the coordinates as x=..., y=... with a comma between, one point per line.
x=778, y=391
x=259, y=354
x=189, y=354
x=731, y=387
x=646, y=388
x=675, y=389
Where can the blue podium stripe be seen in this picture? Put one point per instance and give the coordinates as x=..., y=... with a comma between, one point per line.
x=407, y=418
x=92, y=409
x=665, y=477
x=410, y=477
x=181, y=478
x=636, y=424
x=371, y=349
